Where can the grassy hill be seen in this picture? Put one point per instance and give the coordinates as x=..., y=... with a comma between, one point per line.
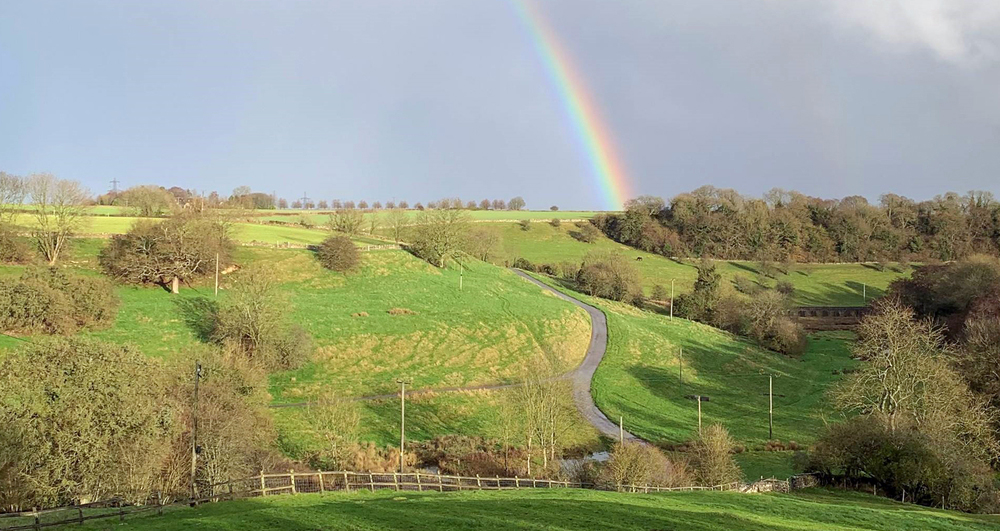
x=559, y=509
x=815, y=284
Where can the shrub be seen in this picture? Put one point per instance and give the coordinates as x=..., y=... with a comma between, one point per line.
x=338, y=253
x=401, y=311
x=523, y=263
x=525, y=224
x=744, y=285
x=588, y=233
x=555, y=222
x=785, y=288
x=714, y=460
x=252, y=321
x=54, y=301
x=660, y=293
x=569, y=270
x=548, y=269
x=13, y=248
x=611, y=276
x=643, y=464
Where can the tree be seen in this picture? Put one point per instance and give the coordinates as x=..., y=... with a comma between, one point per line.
x=647, y=205
x=377, y=205
x=714, y=460
x=363, y=205
x=182, y=247
x=64, y=442
x=56, y=301
x=499, y=204
x=439, y=235
x=13, y=190
x=396, y=219
x=349, y=205
x=471, y=205
x=554, y=208
x=634, y=464
x=149, y=200
x=389, y=205
x=58, y=207
x=297, y=204
x=348, y=221
x=338, y=422
x=404, y=205
x=252, y=321
x=484, y=204
x=323, y=205
x=484, y=243
x=374, y=222
x=282, y=203
x=516, y=203
x=587, y=233
x=336, y=204
x=609, y=275
x=339, y=254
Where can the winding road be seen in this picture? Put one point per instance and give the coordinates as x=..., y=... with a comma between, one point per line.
x=580, y=377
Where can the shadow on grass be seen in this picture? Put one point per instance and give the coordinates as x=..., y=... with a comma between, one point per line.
x=199, y=314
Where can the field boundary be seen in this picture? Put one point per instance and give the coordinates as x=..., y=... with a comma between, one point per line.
x=293, y=483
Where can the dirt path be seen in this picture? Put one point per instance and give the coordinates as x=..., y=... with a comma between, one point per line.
x=580, y=377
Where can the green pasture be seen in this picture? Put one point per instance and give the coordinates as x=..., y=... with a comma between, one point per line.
x=560, y=509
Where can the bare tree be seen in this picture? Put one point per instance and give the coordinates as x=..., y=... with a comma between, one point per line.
x=440, y=235
x=396, y=220
x=338, y=422
x=12, y=191
x=374, y=221
x=58, y=207
x=348, y=221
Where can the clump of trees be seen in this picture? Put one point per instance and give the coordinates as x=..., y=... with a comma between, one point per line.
x=55, y=301
x=920, y=430
x=752, y=311
x=611, y=276
x=64, y=443
x=713, y=457
x=58, y=205
x=721, y=223
x=181, y=248
x=634, y=464
x=338, y=253
x=148, y=200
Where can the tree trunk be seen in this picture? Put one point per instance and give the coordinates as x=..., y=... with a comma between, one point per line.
x=175, y=285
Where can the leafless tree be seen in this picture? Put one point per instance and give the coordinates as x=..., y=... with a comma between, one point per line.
x=13, y=189
x=58, y=206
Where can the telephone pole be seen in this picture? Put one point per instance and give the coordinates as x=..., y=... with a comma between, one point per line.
x=671, y=299
x=194, y=432
x=770, y=406
x=680, y=368
x=621, y=429
x=402, y=420
x=699, y=415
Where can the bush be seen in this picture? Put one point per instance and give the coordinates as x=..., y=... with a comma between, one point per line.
x=13, y=248
x=643, y=464
x=660, y=293
x=338, y=253
x=54, y=301
x=744, y=285
x=525, y=224
x=555, y=222
x=611, y=276
x=785, y=288
x=714, y=457
x=252, y=321
x=569, y=270
x=523, y=263
x=588, y=233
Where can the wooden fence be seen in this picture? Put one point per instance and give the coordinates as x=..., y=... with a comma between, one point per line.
x=319, y=482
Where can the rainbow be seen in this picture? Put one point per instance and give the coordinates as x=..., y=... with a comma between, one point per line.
x=591, y=132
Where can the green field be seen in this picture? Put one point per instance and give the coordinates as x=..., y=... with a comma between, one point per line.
x=560, y=509
x=815, y=284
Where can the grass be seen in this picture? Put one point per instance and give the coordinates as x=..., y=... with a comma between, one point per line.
x=640, y=378
x=815, y=284
x=560, y=509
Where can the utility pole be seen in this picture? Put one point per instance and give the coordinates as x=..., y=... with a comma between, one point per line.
x=402, y=420
x=305, y=200
x=621, y=429
x=770, y=406
x=114, y=186
x=216, y=274
x=864, y=292
x=671, y=299
x=461, y=275
x=680, y=368
x=699, y=415
x=194, y=432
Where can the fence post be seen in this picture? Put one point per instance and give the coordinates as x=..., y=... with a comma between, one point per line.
x=262, y=487
x=517, y=483
x=534, y=483
x=371, y=481
x=498, y=481
x=479, y=483
x=38, y=524
x=321, y=489
x=347, y=485
x=419, y=488
x=395, y=480
x=291, y=478
x=440, y=483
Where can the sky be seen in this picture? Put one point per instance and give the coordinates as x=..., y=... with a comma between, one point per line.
x=419, y=100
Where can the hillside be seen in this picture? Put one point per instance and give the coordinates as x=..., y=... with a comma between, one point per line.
x=561, y=509
x=815, y=284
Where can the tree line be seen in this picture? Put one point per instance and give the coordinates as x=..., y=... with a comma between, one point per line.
x=790, y=226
